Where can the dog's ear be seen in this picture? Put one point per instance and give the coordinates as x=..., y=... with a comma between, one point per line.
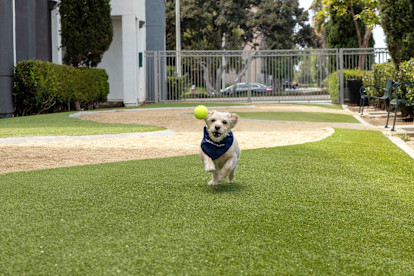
x=233, y=119
x=210, y=113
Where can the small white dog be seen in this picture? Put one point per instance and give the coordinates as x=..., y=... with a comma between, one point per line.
x=219, y=150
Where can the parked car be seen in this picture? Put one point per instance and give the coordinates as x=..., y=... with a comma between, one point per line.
x=242, y=88
x=290, y=85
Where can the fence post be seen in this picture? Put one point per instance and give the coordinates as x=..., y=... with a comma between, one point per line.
x=249, y=77
x=341, y=76
x=155, y=78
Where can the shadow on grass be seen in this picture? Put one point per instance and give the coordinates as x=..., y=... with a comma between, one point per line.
x=225, y=187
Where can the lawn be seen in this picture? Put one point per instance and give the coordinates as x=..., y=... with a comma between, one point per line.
x=62, y=124
x=343, y=205
x=330, y=106
x=299, y=116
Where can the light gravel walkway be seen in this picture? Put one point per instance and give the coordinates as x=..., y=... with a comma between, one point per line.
x=35, y=139
x=182, y=137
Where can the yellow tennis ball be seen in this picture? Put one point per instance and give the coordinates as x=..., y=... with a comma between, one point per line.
x=201, y=112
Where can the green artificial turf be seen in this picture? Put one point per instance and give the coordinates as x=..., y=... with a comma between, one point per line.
x=62, y=124
x=330, y=106
x=299, y=116
x=343, y=206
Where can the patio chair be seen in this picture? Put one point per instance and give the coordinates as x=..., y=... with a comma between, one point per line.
x=387, y=94
x=397, y=101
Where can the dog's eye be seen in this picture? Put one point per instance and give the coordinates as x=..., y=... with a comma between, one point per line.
x=224, y=122
x=213, y=120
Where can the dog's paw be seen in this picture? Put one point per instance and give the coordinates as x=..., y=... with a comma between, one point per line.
x=221, y=179
x=212, y=183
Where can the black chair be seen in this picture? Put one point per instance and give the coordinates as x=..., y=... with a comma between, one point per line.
x=397, y=101
x=387, y=93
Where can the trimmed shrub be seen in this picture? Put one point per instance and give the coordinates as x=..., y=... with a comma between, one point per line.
x=44, y=87
x=406, y=73
x=332, y=84
x=176, y=86
x=378, y=76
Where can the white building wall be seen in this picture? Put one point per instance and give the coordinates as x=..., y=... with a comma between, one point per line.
x=129, y=59
x=112, y=63
x=127, y=81
x=57, y=55
x=121, y=61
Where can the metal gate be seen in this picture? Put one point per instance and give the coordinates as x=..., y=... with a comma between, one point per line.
x=247, y=76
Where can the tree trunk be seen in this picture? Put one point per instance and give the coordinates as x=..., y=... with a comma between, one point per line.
x=77, y=106
x=362, y=42
x=365, y=44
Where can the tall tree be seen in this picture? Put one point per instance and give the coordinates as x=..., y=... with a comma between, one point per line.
x=340, y=31
x=319, y=23
x=235, y=24
x=86, y=31
x=367, y=13
x=397, y=21
x=205, y=24
x=282, y=25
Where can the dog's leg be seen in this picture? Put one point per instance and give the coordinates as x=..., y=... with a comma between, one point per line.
x=231, y=175
x=228, y=167
x=214, y=180
x=207, y=162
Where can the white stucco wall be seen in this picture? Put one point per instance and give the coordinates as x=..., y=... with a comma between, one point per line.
x=56, y=38
x=121, y=61
x=112, y=63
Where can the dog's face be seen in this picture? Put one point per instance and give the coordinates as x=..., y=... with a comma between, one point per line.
x=219, y=124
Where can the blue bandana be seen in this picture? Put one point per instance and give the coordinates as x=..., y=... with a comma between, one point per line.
x=213, y=149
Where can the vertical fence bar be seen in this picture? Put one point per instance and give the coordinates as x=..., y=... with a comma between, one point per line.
x=156, y=74
x=341, y=76
x=249, y=78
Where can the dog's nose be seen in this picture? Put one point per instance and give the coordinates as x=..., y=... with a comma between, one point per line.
x=217, y=127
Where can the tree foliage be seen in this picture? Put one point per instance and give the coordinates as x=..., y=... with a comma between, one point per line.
x=205, y=24
x=362, y=12
x=397, y=21
x=340, y=31
x=86, y=31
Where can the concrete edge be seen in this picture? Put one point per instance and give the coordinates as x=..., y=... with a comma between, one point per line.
x=77, y=114
x=362, y=121
x=400, y=143
x=331, y=132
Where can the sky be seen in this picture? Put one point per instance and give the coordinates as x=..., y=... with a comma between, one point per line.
x=378, y=32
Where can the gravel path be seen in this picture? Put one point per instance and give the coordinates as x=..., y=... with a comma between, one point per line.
x=183, y=137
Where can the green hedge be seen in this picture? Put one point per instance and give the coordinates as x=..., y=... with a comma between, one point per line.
x=378, y=76
x=381, y=72
x=332, y=79
x=43, y=87
x=406, y=73
x=176, y=86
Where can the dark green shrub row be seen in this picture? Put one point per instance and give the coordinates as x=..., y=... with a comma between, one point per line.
x=381, y=72
x=43, y=87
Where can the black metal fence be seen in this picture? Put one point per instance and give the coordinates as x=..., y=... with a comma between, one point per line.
x=247, y=76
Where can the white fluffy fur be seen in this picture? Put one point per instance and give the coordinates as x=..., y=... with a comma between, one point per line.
x=226, y=164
